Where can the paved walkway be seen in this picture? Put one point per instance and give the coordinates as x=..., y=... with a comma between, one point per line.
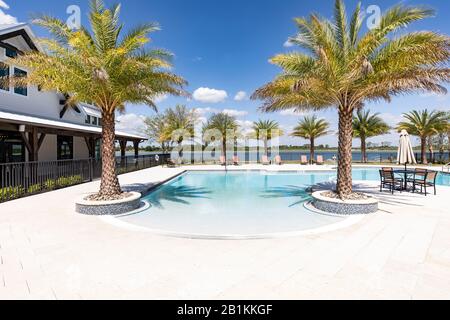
x=47, y=251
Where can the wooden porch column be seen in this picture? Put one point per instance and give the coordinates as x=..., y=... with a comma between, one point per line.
x=136, y=148
x=123, y=148
x=33, y=144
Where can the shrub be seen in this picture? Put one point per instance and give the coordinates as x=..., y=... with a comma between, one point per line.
x=11, y=193
x=34, y=188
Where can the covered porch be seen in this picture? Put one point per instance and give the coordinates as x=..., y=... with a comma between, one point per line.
x=25, y=138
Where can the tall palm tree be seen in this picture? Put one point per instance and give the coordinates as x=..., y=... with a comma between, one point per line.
x=311, y=128
x=224, y=123
x=342, y=68
x=366, y=125
x=104, y=67
x=266, y=130
x=424, y=124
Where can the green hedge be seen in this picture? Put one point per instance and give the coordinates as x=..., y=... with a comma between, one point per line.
x=11, y=193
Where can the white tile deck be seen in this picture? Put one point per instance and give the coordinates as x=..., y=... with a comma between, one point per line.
x=47, y=251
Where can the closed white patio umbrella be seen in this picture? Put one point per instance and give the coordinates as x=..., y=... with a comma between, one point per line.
x=405, y=153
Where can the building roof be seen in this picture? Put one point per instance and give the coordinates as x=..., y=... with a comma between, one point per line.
x=90, y=110
x=51, y=123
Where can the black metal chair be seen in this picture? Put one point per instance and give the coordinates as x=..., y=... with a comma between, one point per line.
x=389, y=181
x=423, y=180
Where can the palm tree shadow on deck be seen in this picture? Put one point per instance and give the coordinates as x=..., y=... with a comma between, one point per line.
x=289, y=192
x=177, y=194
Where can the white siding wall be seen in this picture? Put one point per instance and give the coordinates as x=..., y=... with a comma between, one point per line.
x=42, y=104
x=48, y=151
x=80, y=149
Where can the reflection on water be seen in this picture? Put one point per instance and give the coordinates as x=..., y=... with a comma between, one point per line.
x=300, y=193
x=177, y=194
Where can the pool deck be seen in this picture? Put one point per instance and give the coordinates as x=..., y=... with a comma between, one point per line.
x=47, y=251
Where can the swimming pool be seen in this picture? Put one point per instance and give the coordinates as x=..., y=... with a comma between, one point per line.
x=236, y=203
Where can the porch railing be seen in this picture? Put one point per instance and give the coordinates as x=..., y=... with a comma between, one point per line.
x=22, y=179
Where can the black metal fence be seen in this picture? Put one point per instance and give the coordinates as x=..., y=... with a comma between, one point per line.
x=27, y=178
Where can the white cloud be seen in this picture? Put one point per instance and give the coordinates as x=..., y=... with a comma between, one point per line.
x=288, y=44
x=235, y=113
x=160, y=98
x=203, y=111
x=3, y=5
x=391, y=119
x=291, y=112
x=240, y=96
x=6, y=18
x=208, y=95
x=130, y=123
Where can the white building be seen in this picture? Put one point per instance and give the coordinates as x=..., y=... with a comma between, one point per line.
x=35, y=125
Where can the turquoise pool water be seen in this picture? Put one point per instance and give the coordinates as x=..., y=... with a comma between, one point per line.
x=239, y=203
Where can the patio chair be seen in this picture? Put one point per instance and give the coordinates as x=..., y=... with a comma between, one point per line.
x=320, y=161
x=171, y=163
x=389, y=181
x=303, y=160
x=387, y=169
x=222, y=161
x=278, y=160
x=265, y=160
x=424, y=179
x=236, y=160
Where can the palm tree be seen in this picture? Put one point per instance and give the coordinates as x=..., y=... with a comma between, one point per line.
x=339, y=67
x=311, y=128
x=103, y=67
x=180, y=121
x=223, y=123
x=266, y=130
x=424, y=124
x=156, y=130
x=366, y=125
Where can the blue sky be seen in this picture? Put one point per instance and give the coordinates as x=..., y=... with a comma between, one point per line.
x=225, y=46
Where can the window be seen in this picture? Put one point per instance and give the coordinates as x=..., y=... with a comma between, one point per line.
x=94, y=121
x=4, y=72
x=10, y=53
x=23, y=91
x=65, y=148
x=100, y=122
x=88, y=120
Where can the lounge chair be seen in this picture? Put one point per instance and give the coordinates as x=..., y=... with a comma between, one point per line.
x=303, y=160
x=171, y=163
x=236, y=160
x=320, y=161
x=278, y=160
x=265, y=160
x=223, y=161
x=423, y=179
x=389, y=181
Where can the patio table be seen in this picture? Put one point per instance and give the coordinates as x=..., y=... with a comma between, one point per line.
x=405, y=173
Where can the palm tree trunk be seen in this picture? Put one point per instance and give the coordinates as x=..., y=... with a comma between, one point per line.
x=344, y=182
x=311, y=151
x=423, y=146
x=266, y=147
x=363, y=149
x=110, y=183
x=224, y=148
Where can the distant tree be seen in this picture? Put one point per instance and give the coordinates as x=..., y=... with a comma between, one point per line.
x=223, y=123
x=157, y=131
x=311, y=128
x=424, y=124
x=266, y=130
x=365, y=126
